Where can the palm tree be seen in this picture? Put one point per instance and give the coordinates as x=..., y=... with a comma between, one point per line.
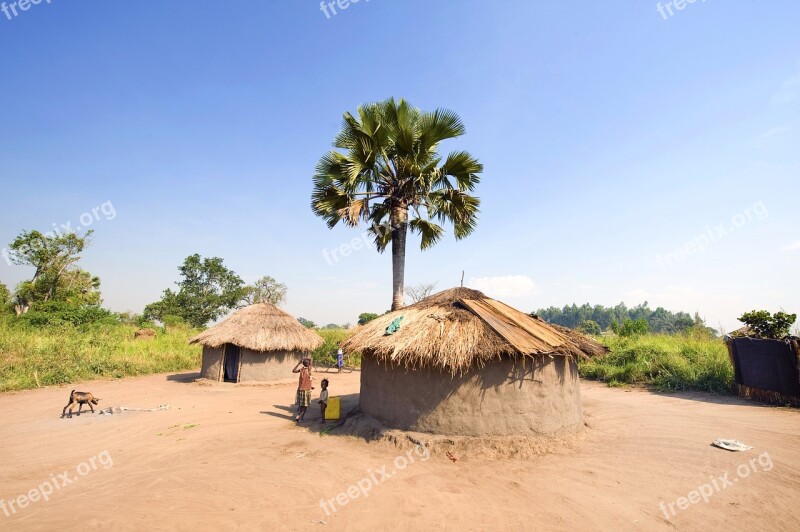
x=391, y=169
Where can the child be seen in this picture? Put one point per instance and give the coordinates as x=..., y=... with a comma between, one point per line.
x=323, y=398
x=303, y=397
x=339, y=357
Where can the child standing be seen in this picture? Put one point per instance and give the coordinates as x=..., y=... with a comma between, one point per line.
x=304, y=388
x=323, y=398
x=339, y=357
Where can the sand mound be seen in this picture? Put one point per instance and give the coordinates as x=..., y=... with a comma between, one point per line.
x=461, y=447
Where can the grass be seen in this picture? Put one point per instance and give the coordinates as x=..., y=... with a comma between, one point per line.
x=665, y=363
x=32, y=357
x=41, y=356
x=326, y=353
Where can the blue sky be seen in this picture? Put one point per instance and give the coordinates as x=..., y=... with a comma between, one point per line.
x=611, y=137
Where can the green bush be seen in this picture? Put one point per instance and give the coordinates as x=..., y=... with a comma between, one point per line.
x=631, y=327
x=665, y=362
x=58, y=313
x=590, y=327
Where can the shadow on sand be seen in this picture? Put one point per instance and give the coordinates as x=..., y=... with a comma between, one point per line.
x=184, y=377
x=717, y=399
x=313, y=417
x=288, y=417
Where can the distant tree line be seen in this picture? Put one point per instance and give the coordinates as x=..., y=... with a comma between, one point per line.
x=659, y=320
x=60, y=292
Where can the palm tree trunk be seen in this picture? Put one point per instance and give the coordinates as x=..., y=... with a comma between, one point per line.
x=399, y=221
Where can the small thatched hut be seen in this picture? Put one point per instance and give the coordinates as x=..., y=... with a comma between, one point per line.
x=257, y=343
x=464, y=364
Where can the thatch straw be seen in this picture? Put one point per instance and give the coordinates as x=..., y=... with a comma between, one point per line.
x=454, y=329
x=588, y=347
x=766, y=396
x=261, y=327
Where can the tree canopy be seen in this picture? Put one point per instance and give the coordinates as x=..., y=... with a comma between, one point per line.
x=589, y=327
x=659, y=320
x=766, y=325
x=56, y=276
x=5, y=295
x=265, y=290
x=391, y=176
x=366, y=317
x=307, y=323
x=206, y=291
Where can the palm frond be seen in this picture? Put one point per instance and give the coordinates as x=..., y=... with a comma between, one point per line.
x=430, y=232
x=442, y=124
x=463, y=168
x=457, y=207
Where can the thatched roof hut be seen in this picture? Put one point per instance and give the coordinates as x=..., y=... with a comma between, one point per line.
x=463, y=363
x=257, y=343
x=458, y=328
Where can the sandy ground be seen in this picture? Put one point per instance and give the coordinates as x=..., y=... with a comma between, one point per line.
x=227, y=456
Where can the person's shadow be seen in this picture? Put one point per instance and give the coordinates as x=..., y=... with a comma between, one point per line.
x=289, y=416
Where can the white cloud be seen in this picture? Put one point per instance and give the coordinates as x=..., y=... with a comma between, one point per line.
x=794, y=246
x=788, y=92
x=768, y=135
x=504, y=286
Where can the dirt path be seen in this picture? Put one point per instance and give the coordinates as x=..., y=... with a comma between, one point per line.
x=227, y=456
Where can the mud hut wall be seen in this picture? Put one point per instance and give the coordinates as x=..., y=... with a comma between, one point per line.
x=212, y=363
x=270, y=366
x=502, y=398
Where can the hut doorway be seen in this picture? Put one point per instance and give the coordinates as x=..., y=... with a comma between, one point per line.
x=231, y=363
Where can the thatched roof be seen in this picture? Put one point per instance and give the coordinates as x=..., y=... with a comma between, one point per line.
x=457, y=328
x=588, y=347
x=260, y=327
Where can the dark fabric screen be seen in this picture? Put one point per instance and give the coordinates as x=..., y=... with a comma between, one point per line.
x=766, y=364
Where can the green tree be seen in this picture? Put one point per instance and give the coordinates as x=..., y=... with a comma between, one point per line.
x=52, y=256
x=206, y=291
x=366, y=317
x=631, y=327
x=391, y=169
x=265, y=290
x=78, y=287
x=5, y=299
x=699, y=328
x=307, y=323
x=589, y=327
x=129, y=317
x=658, y=320
x=5, y=295
x=167, y=306
x=769, y=326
